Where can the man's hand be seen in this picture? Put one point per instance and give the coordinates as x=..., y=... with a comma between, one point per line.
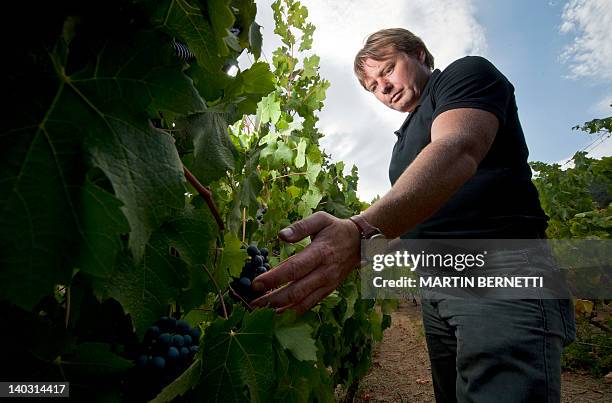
x=316, y=271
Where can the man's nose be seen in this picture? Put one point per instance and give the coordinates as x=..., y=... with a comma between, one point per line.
x=386, y=87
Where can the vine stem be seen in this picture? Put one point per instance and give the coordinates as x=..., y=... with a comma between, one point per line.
x=243, y=224
x=218, y=291
x=206, y=194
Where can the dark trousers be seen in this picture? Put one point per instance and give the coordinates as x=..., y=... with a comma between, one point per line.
x=494, y=350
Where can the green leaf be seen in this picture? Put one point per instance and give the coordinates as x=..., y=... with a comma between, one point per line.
x=300, y=158
x=184, y=19
x=283, y=152
x=249, y=86
x=146, y=289
x=255, y=39
x=311, y=65
x=232, y=258
x=222, y=20
x=268, y=109
x=296, y=337
x=181, y=385
x=310, y=201
x=214, y=153
x=192, y=234
x=93, y=360
x=238, y=365
x=312, y=171
x=101, y=223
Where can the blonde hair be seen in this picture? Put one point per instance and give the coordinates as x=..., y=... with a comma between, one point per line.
x=380, y=44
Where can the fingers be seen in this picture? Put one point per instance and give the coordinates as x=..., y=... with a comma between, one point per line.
x=305, y=227
x=294, y=292
x=296, y=267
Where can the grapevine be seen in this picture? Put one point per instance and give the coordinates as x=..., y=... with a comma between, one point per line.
x=136, y=174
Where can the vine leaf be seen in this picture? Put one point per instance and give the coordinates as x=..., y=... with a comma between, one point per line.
x=238, y=365
x=214, y=153
x=101, y=224
x=146, y=289
x=184, y=20
x=181, y=385
x=222, y=19
x=268, y=110
x=93, y=359
x=295, y=336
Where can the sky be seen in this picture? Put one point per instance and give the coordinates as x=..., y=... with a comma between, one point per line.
x=557, y=54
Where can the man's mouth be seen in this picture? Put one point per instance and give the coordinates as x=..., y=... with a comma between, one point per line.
x=396, y=97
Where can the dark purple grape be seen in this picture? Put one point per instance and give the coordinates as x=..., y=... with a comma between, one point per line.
x=245, y=282
x=184, y=352
x=195, y=334
x=182, y=327
x=267, y=265
x=187, y=339
x=178, y=340
x=173, y=353
x=165, y=339
x=252, y=250
x=257, y=260
x=194, y=349
x=261, y=270
x=264, y=252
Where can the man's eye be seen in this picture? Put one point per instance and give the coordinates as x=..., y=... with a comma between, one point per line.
x=389, y=70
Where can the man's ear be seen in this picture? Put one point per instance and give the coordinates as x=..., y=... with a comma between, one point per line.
x=422, y=55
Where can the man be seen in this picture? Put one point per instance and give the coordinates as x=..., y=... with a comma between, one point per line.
x=459, y=170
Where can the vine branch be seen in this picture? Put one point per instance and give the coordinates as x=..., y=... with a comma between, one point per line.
x=206, y=194
x=218, y=291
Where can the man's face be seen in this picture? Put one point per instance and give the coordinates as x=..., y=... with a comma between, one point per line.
x=398, y=80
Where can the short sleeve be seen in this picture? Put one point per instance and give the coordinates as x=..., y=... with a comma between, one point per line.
x=473, y=82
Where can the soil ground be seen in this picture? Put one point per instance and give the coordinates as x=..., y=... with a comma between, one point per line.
x=401, y=373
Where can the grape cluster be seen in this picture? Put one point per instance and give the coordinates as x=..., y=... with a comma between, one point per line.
x=257, y=264
x=169, y=346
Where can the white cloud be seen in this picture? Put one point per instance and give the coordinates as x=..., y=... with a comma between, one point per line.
x=590, y=54
x=602, y=107
x=359, y=130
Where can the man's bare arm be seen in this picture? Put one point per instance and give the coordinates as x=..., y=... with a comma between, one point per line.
x=460, y=139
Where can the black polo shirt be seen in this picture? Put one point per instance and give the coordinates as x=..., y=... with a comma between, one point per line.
x=499, y=201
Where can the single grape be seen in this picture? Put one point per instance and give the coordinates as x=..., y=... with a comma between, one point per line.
x=158, y=362
x=178, y=340
x=184, y=352
x=257, y=260
x=264, y=252
x=267, y=265
x=182, y=327
x=245, y=282
x=187, y=339
x=194, y=349
x=196, y=333
x=252, y=250
x=173, y=353
x=165, y=339
x=261, y=270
